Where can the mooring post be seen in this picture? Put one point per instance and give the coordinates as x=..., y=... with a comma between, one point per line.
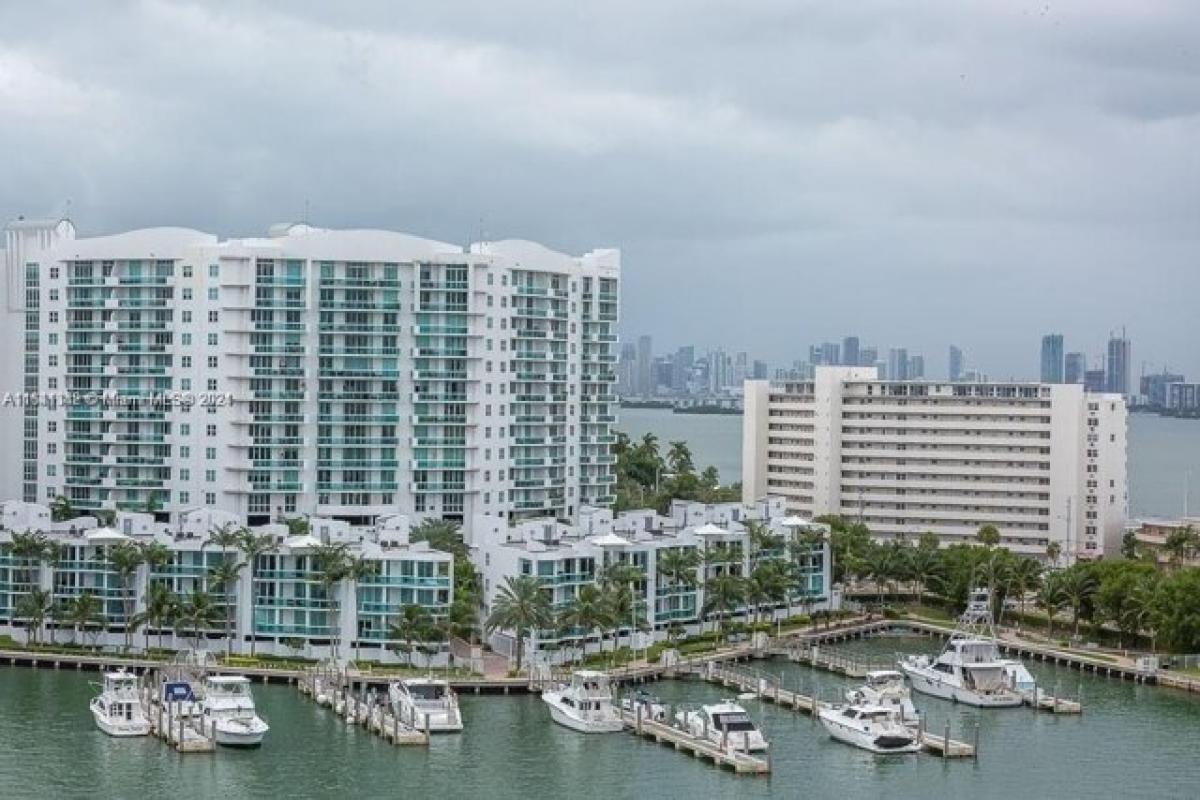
x=946, y=741
x=975, y=751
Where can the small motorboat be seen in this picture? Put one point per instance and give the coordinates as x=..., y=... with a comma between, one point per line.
x=427, y=704
x=652, y=708
x=886, y=688
x=228, y=712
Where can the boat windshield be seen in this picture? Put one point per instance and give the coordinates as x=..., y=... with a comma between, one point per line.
x=427, y=691
x=733, y=722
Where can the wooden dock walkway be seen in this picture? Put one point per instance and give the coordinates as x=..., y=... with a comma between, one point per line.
x=768, y=688
x=334, y=690
x=741, y=762
x=180, y=732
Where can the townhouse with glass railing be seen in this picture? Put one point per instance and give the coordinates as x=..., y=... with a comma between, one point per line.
x=636, y=547
x=345, y=374
x=283, y=604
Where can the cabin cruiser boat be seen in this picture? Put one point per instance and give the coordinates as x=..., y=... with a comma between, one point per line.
x=118, y=708
x=228, y=712
x=725, y=723
x=969, y=669
x=585, y=704
x=652, y=708
x=428, y=703
x=886, y=688
x=877, y=729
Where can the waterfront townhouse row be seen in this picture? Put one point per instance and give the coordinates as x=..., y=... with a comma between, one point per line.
x=348, y=374
x=281, y=601
x=1042, y=462
x=668, y=589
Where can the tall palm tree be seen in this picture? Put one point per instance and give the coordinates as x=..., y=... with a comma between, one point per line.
x=767, y=584
x=197, y=614
x=1141, y=609
x=588, y=612
x=161, y=604
x=358, y=570
x=619, y=579
x=1053, y=551
x=520, y=606
x=1024, y=577
x=34, y=608
x=83, y=612
x=224, y=537
x=156, y=556
x=124, y=558
x=680, y=564
x=722, y=595
x=253, y=546
x=412, y=626
x=223, y=577
x=61, y=509
x=1079, y=586
x=679, y=458
x=34, y=548
x=331, y=563
x=1052, y=598
x=879, y=564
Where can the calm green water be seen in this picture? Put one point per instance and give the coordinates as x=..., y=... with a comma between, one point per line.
x=1162, y=451
x=1133, y=741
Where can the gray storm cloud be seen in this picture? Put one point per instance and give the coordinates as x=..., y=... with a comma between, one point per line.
x=775, y=173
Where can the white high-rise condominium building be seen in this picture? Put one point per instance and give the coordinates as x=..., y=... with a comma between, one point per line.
x=1042, y=462
x=344, y=374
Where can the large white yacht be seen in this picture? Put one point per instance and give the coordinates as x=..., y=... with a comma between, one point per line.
x=877, y=729
x=228, y=712
x=725, y=723
x=118, y=708
x=969, y=669
x=430, y=704
x=585, y=705
x=886, y=688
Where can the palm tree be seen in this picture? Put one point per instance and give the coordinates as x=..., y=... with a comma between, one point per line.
x=156, y=556
x=520, y=606
x=124, y=558
x=1141, y=609
x=1024, y=577
x=722, y=595
x=924, y=566
x=588, y=612
x=618, y=580
x=253, y=546
x=768, y=583
x=61, y=509
x=1180, y=545
x=224, y=578
x=359, y=569
x=34, y=607
x=1053, y=551
x=34, y=548
x=680, y=565
x=679, y=458
x=1052, y=598
x=161, y=603
x=412, y=626
x=331, y=563
x=879, y=564
x=197, y=614
x=83, y=612
x=224, y=537
x=1079, y=586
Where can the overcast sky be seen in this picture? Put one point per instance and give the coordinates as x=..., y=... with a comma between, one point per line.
x=776, y=173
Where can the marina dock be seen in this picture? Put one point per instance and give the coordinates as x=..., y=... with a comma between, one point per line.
x=181, y=732
x=741, y=762
x=769, y=689
x=334, y=690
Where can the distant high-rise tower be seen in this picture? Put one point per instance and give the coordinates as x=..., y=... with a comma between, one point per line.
x=643, y=383
x=850, y=351
x=1118, y=364
x=897, y=364
x=916, y=368
x=1052, y=358
x=867, y=357
x=956, y=363
x=1076, y=365
x=1093, y=380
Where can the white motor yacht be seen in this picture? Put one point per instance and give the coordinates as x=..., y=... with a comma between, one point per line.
x=886, y=688
x=969, y=669
x=428, y=703
x=118, y=708
x=229, y=715
x=725, y=723
x=585, y=705
x=877, y=729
